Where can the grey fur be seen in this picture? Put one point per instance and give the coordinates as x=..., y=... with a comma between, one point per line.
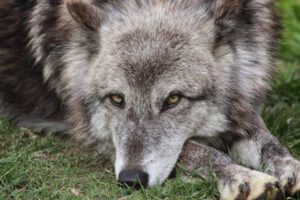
x=74, y=54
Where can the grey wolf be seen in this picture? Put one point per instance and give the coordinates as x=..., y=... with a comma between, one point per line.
x=136, y=79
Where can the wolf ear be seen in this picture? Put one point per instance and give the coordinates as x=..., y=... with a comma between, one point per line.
x=221, y=8
x=225, y=8
x=85, y=14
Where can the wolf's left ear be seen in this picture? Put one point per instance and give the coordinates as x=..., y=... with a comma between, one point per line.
x=221, y=9
x=85, y=14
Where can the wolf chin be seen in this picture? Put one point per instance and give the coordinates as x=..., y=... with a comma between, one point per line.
x=151, y=82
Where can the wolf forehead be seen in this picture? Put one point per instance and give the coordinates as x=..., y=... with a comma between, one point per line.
x=157, y=56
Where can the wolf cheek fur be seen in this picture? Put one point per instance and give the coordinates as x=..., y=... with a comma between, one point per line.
x=211, y=53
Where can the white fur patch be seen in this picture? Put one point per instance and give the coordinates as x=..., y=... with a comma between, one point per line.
x=161, y=162
x=247, y=152
x=35, y=29
x=36, y=38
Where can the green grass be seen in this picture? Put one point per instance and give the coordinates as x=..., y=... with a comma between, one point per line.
x=34, y=167
x=50, y=168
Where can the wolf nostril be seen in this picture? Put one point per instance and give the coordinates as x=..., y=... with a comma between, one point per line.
x=133, y=178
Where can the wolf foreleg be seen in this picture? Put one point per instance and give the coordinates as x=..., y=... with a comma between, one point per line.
x=234, y=181
x=264, y=151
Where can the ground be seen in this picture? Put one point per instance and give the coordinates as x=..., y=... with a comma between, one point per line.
x=35, y=167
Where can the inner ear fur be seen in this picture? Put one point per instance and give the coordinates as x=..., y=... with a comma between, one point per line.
x=85, y=13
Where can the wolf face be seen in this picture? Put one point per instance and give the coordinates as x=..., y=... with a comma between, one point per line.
x=148, y=100
x=151, y=86
x=152, y=79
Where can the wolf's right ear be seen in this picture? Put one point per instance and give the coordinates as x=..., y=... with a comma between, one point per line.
x=85, y=14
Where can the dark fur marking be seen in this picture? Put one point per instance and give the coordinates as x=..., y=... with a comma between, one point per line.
x=20, y=86
x=144, y=73
x=270, y=149
x=244, y=191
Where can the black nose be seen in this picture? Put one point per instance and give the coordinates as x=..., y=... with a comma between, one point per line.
x=133, y=178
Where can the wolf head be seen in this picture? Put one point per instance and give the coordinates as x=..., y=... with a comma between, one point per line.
x=154, y=81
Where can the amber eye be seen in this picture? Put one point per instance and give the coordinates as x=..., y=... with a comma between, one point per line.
x=172, y=101
x=117, y=100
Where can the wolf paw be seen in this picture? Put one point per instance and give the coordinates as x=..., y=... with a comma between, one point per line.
x=287, y=170
x=246, y=184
